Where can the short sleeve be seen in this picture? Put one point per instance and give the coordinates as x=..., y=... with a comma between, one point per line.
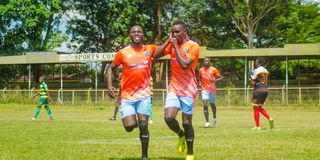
x=153, y=49
x=255, y=74
x=193, y=52
x=168, y=50
x=216, y=73
x=118, y=58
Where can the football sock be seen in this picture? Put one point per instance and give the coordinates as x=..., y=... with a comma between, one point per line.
x=214, y=109
x=150, y=116
x=189, y=134
x=144, y=137
x=37, y=112
x=206, y=113
x=115, y=112
x=48, y=111
x=174, y=126
x=256, y=116
x=264, y=112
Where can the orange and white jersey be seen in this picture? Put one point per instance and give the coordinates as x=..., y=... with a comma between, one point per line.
x=136, y=63
x=183, y=81
x=207, y=75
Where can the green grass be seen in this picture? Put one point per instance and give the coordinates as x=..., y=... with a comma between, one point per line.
x=84, y=132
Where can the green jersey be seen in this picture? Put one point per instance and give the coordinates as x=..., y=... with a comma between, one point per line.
x=43, y=90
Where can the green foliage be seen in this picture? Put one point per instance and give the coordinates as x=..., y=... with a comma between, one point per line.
x=292, y=23
x=29, y=25
x=104, y=25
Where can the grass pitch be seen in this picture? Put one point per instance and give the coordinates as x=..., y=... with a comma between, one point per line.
x=86, y=133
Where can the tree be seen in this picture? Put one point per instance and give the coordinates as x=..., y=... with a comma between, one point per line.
x=292, y=23
x=103, y=25
x=30, y=25
x=247, y=14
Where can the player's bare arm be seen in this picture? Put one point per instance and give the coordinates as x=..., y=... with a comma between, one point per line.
x=159, y=52
x=35, y=95
x=253, y=82
x=183, y=62
x=217, y=79
x=110, y=77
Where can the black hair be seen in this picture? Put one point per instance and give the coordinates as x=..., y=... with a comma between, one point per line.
x=261, y=61
x=180, y=22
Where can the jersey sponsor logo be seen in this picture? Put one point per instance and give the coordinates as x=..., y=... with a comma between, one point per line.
x=139, y=65
x=146, y=53
x=185, y=50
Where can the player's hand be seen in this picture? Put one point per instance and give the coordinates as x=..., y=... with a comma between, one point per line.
x=173, y=40
x=111, y=92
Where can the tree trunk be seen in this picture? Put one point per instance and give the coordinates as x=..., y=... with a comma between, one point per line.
x=36, y=68
x=250, y=36
x=103, y=74
x=159, y=13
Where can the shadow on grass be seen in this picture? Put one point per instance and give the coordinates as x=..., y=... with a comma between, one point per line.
x=169, y=158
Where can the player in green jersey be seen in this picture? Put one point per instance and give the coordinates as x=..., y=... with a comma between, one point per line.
x=44, y=99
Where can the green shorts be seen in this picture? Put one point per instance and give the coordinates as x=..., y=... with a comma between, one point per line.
x=43, y=101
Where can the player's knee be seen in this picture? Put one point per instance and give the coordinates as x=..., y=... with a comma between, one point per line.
x=213, y=106
x=143, y=126
x=169, y=120
x=186, y=125
x=129, y=128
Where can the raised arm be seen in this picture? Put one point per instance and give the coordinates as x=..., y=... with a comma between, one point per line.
x=160, y=50
x=183, y=62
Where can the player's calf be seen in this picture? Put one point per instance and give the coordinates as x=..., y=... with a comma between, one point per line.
x=144, y=137
x=174, y=125
x=189, y=134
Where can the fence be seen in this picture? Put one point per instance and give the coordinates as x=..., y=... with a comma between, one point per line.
x=225, y=96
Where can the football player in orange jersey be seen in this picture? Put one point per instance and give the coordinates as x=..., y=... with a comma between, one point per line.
x=135, y=85
x=182, y=89
x=209, y=76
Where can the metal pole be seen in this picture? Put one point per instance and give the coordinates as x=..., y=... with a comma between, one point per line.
x=73, y=97
x=61, y=83
x=163, y=99
x=300, y=95
x=287, y=77
x=29, y=79
x=96, y=84
x=245, y=79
